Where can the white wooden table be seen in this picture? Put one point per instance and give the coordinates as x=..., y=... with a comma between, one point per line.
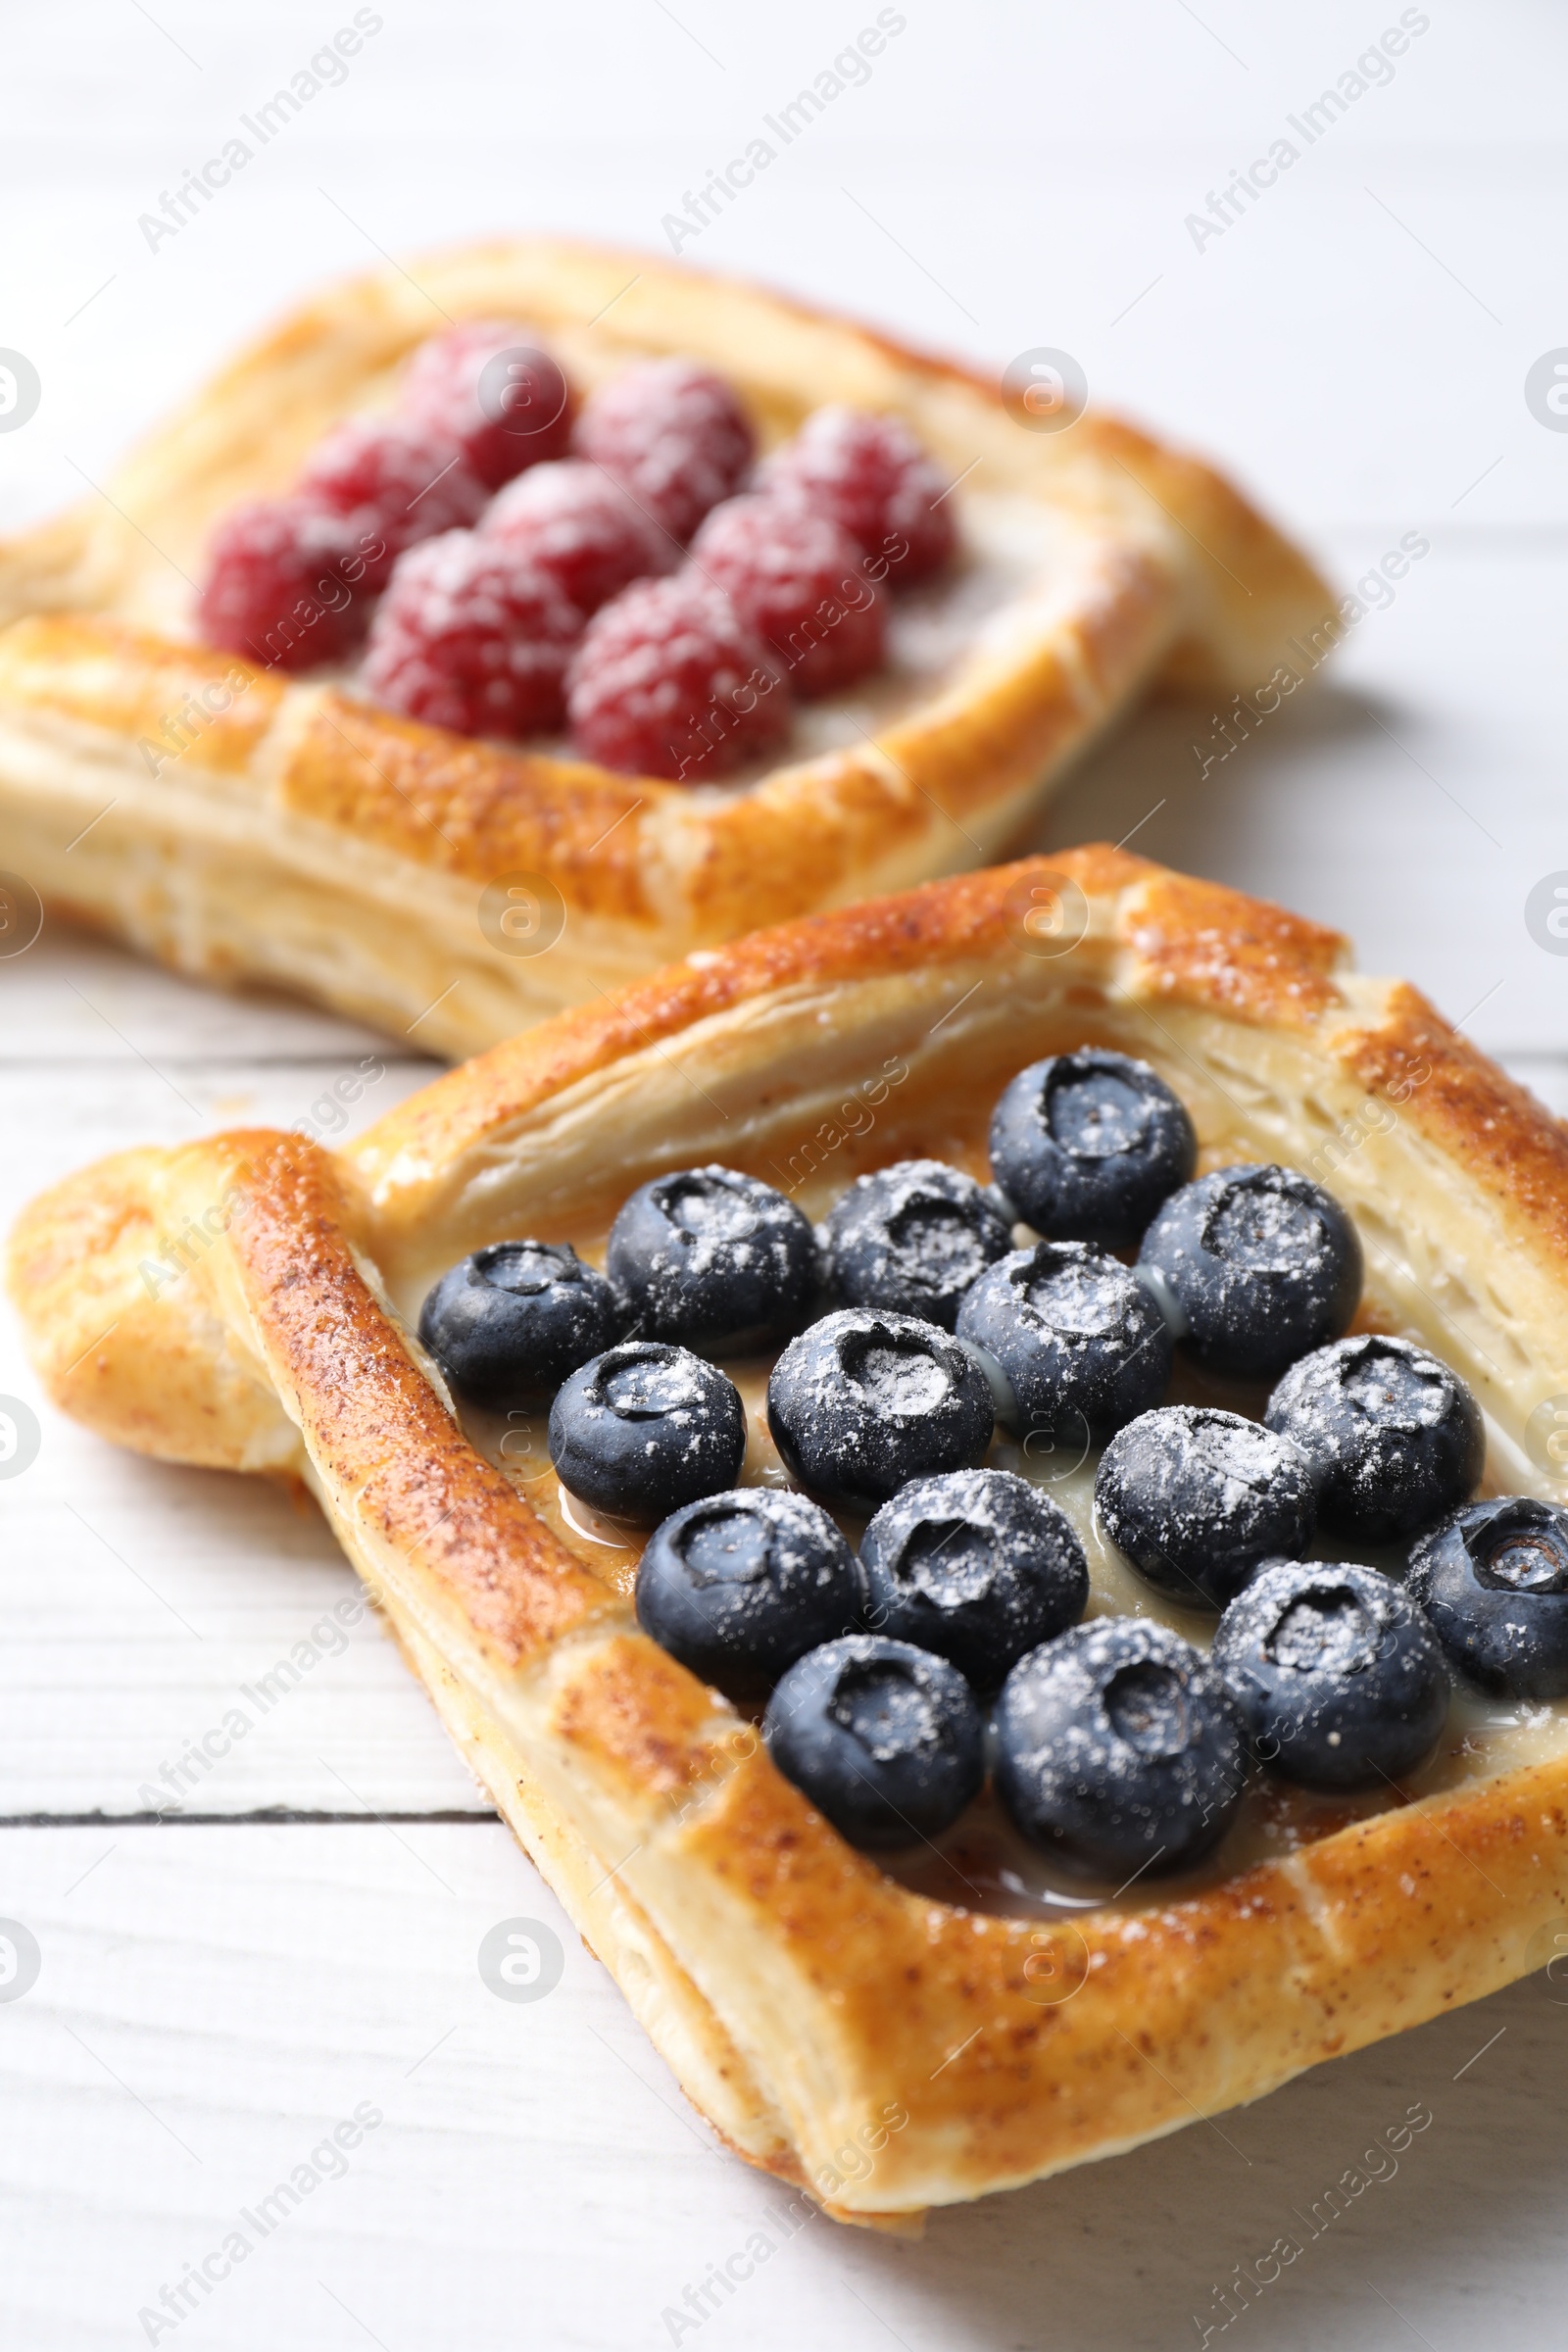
x=218, y=1993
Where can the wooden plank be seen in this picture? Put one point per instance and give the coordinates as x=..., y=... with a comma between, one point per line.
x=1354, y=346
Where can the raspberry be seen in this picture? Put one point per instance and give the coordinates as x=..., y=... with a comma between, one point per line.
x=519, y=416
x=797, y=578
x=473, y=637
x=674, y=434
x=574, y=523
x=669, y=682
x=415, y=480
x=872, y=476
x=288, y=582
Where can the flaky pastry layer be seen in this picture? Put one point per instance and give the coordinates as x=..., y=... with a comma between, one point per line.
x=240, y=825
x=888, y=2052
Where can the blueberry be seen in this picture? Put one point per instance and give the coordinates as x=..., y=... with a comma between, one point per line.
x=1196, y=1499
x=1118, y=1749
x=979, y=1566
x=711, y=1258
x=1394, y=1438
x=884, y=1739
x=1078, y=1336
x=1340, y=1679
x=1086, y=1146
x=1262, y=1264
x=508, y=1324
x=644, y=1428
x=740, y=1585
x=1494, y=1579
x=913, y=1237
x=864, y=1402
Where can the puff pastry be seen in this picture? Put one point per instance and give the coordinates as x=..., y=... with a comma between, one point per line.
x=238, y=825
x=888, y=2049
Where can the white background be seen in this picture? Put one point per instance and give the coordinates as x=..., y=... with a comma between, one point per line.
x=216, y=1994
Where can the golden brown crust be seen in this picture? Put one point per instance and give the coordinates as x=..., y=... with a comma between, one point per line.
x=1206, y=945
x=1477, y=1114
x=375, y=1427
x=287, y=836
x=440, y=800
x=125, y=1342
x=643, y=1726
x=855, y=2013
x=125, y=683
x=970, y=914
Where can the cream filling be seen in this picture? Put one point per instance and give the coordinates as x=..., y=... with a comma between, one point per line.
x=1021, y=574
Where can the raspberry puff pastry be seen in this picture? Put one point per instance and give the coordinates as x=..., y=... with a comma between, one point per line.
x=240, y=823
x=901, y=2037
